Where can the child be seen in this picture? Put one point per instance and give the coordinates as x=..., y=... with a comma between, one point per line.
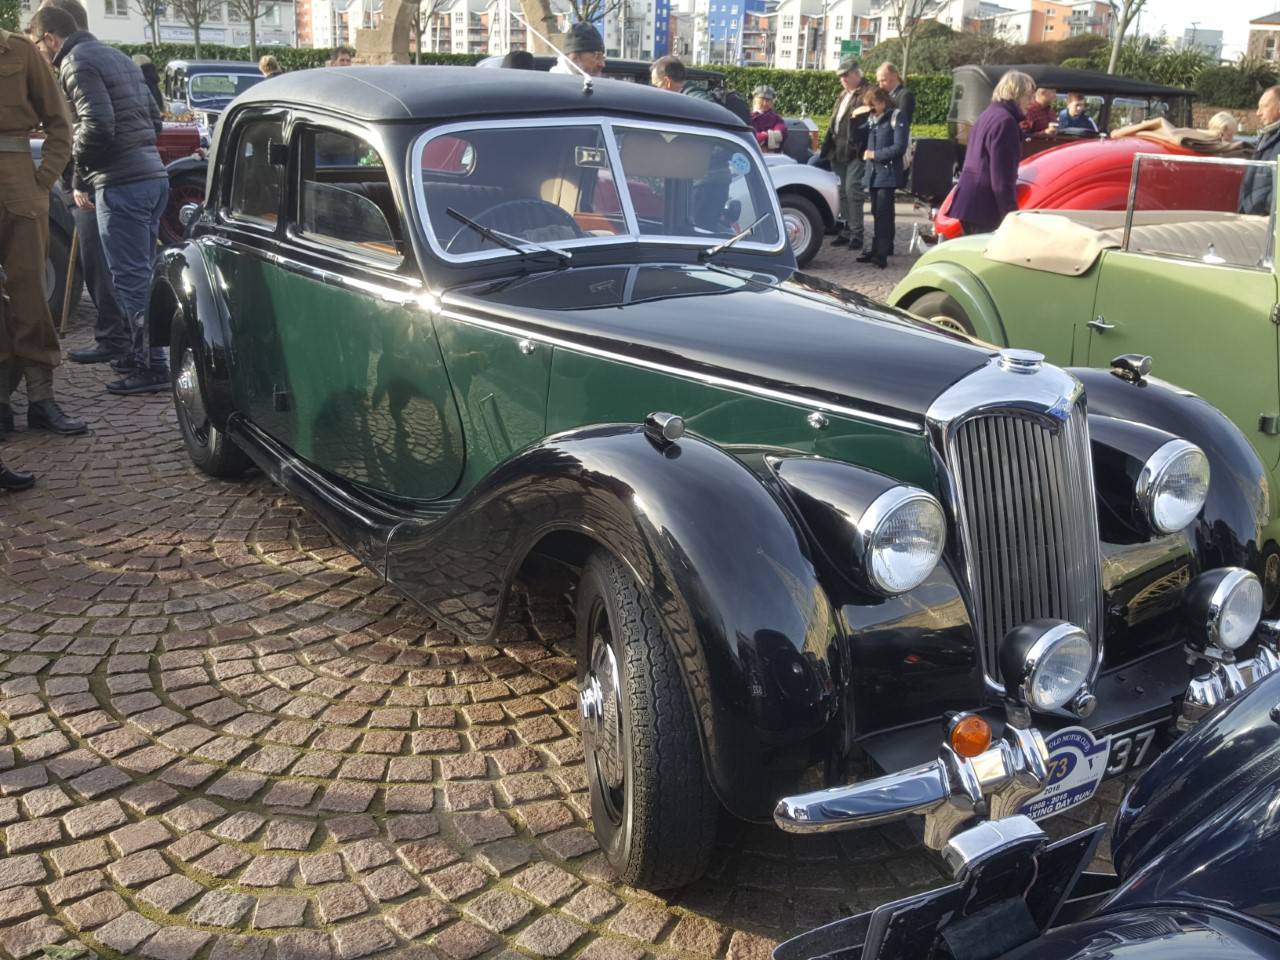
x=1073, y=117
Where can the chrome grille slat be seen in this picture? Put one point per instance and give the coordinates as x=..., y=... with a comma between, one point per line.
x=1028, y=522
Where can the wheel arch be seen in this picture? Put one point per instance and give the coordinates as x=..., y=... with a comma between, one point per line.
x=813, y=196
x=740, y=604
x=961, y=285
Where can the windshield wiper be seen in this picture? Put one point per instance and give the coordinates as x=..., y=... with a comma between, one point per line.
x=710, y=252
x=507, y=240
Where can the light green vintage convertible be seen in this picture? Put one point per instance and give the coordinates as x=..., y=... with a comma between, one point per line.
x=1180, y=276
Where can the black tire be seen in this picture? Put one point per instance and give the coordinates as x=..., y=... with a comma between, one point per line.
x=56, y=276
x=652, y=806
x=209, y=448
x=805, y=226
x=938, y=307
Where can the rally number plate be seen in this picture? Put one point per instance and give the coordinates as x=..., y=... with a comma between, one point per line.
x=1080, y=761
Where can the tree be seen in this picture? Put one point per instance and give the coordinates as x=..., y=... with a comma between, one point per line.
x=149, y=10
x=9, y=10
x=542, y=19
x=195, y=14
x=424, y=17
x=251, y=11
x=1124, y=14
x=909, y=16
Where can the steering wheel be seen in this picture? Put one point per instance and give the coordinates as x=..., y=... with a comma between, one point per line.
x=516, y=218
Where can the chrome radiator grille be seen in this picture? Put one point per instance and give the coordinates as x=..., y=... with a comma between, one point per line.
x=1028, y=522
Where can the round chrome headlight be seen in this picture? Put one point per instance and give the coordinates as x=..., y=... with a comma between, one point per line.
x=1235, y=608
x=1173, y=484
x=902, y=536
x=1046, y=663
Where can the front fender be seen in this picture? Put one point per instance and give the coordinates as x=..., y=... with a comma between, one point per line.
x=961, y=285
x=1229, y=531
x=199, y=166
x=181, y=281
x=727, y=570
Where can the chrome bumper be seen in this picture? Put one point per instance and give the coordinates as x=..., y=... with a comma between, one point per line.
x=947, y=792
x=1227, y=679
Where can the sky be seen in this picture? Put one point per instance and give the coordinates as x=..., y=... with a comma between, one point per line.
x=1230, y=16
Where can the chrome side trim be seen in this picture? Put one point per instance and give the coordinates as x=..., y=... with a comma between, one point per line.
x=713, y=380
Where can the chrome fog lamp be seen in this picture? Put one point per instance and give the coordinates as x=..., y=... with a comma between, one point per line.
x=900, y=539
x=1046, y=665
x=1173, y=484
x=1223, y=607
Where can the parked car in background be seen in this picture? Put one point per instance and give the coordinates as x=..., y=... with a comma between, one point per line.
x=1194, y=846
x=1097, y=174
x=490, y=333
x=202, y=89
x=1178, y=275
x=1114, y=101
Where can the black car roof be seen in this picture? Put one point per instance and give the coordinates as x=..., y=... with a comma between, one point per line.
x=1072, y=81
x=437, y=93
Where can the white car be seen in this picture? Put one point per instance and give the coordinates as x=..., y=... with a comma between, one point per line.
x=809, y=200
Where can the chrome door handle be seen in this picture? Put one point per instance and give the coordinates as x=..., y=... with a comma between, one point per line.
x=1100, y=324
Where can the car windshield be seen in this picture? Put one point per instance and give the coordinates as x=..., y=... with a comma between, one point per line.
x=679, y=185
x=220, y=86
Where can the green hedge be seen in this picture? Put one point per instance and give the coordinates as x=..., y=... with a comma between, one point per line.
x=1228, y=87
x=799, y=91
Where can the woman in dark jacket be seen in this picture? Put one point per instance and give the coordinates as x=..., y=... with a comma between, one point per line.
x=988, y=181
x=152, y=78
x=888, y=133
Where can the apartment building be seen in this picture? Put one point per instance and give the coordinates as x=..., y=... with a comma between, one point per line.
x=116, y=21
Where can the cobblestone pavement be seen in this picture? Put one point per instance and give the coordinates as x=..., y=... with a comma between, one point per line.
x=221, y=738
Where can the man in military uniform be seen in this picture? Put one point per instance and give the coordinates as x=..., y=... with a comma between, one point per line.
x=29, y=100
x=843, y=146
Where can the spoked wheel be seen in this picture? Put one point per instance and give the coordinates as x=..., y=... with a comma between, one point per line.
x=652, y=807
x=942, y=310
x=208, y=447
x=184, y=190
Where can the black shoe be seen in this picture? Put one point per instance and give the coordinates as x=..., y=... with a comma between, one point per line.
x=12, y=480
x=123, y=364
x=6, y=419
x=840, y=242
x=865, y=258
x=93, y=355
x=47, y=415
x=141, y=381
x=881, y=262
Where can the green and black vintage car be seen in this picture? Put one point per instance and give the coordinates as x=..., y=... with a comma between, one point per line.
x=483, y=327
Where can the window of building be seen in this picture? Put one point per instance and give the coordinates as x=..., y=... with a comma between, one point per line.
x=840, y=23
x=215, y=14
x=117, y=8
x=1269, y=47
x=346, y=200
x=788, y=23
x=788, y=38
x=257, y=183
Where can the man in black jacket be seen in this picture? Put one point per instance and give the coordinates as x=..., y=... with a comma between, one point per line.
x=903, y=100
x=1256, y=188
x=118, y=172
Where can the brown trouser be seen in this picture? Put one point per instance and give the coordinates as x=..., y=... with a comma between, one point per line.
x=28, y=334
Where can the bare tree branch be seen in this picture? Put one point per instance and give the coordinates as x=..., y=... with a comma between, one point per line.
x=195, y=14
x=251, y=11
x=910, y=15
x=149, y=10
x=1124, y=14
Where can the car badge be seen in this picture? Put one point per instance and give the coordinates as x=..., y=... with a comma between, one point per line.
x=1061, y=408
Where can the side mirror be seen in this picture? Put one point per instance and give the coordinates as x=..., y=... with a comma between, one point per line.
x=187, y=213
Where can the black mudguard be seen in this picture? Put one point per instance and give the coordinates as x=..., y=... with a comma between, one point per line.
x=181, y=281
x=187, y=165
x=725, y=566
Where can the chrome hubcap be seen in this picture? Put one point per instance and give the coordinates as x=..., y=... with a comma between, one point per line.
x=798, y=232
x=601, y=709
x=187, y=390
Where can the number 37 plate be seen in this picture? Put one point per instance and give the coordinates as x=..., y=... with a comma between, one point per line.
x=1079, y=762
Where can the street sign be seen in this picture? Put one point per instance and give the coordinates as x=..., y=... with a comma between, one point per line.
x=850, y=48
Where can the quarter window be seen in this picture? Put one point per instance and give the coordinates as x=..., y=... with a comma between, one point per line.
x=257, y=180
x=346, y=200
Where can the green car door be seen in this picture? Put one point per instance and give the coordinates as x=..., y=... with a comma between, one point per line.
x=1194, y=289
x=335, y=359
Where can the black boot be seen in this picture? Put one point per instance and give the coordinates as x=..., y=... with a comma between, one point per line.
x=12, y=480
x=6, y=419
x=47, y=415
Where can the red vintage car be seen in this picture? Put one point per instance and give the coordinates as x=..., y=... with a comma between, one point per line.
x=1095, y=175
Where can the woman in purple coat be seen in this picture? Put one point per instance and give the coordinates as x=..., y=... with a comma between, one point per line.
x=988, y=181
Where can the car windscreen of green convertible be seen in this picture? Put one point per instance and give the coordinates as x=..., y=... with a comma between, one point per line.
x=557, y=186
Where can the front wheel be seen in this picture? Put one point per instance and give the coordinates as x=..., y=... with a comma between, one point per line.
x=942, y=310
x=209, y=448
x=184, y=188
x=804, y=226
x=652, y=807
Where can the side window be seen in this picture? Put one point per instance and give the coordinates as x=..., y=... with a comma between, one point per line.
x=346, y=200
x=256, y=183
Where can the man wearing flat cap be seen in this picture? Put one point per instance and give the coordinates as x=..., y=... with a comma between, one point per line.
x=843, y=147
x=584, y=47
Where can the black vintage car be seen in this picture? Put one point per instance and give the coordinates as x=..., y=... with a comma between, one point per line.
x=492, y=331
x=1195, y=847
x=203, y=88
